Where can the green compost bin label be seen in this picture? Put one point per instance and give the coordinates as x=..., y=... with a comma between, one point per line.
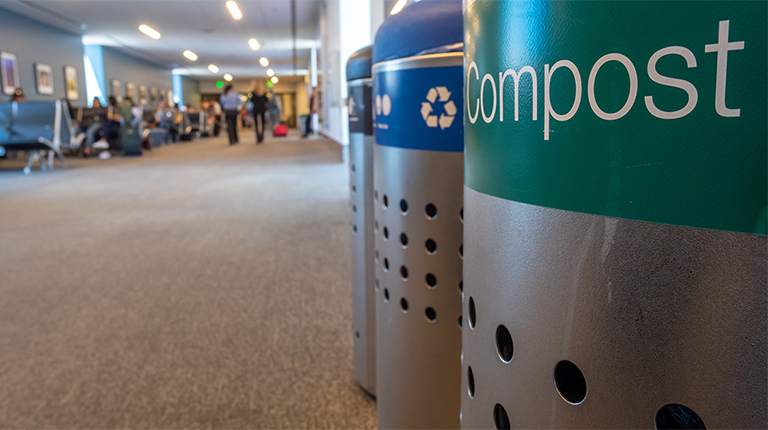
x=653, y=111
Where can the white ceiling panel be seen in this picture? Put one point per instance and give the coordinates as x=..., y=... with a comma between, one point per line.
x=202, y=26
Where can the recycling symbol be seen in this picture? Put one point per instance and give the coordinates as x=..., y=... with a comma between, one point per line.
x=430, y=115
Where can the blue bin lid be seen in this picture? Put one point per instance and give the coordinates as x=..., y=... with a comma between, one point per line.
x=420, y=28
x=359, y=64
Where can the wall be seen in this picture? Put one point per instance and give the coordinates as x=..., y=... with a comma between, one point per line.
x=126, y=68
x=191, y=91
x=34, y=42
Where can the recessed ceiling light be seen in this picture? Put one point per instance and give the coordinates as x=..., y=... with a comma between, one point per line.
x=270, y=72
x=213, y=68
x=234, y=9
x=227, y=77
x=398, y=7
x=149, y=31
x=264, y=62
x=190, y=55
x=254, y=44
x=274, y=79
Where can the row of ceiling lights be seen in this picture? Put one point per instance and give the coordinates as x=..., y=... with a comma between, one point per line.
x=234, y=10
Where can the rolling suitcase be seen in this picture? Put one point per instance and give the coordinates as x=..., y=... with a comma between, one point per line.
x=280, y=131
x=130, y=141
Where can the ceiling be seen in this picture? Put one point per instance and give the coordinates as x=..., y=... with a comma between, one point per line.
x=202, y=26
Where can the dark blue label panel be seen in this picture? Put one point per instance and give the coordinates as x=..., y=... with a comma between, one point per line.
x=420, y=108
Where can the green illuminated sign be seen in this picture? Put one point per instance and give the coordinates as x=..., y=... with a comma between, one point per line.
x=219, y=84
x=269, y=84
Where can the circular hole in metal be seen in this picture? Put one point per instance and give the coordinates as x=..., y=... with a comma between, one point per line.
x=459, y=321
x=376, y=256
x=357, y=334
x=354, y=189
x=403, y=240
x=431, y=314
x=461, y=251
x=354, y=228
x=470, y=382
x=675, y=416
x=375, y=194
x=431, y=211
x=386, y=295
x=461, y=286
x=354, y=208
x=431, y=246
x=386, y=233
x=376, y=225
x=431, y=280
x=570, y=382
x=403, y=207
x=404, y=305
x=471, y=311
x=404, y=273
x=352, y=166
x=500, y=418
x=378, y=285
x=461, y=215
x=504, y=345
x=385, y=200
x=386, y=264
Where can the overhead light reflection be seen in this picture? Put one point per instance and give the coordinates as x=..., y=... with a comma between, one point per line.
x=149, y=31
x=270, y=72
x=190, y=55
x=398, y=7
x=274, y=79
x=254, y=44
x=264, y=62
x=213, y=68
x=227, y=77
x=234, y=9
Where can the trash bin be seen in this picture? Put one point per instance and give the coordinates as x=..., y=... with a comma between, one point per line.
x=360, y=89
x=615, y=266
x=418, y=171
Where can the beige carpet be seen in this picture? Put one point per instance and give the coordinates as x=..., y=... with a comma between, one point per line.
x=199, y=286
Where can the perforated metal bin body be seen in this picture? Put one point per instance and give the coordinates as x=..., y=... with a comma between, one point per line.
x=615, y=268
x=360, y=88
x=418, y=171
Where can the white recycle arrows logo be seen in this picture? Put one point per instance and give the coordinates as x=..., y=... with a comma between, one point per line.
x=430, y=116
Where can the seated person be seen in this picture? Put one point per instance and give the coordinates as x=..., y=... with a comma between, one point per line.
x=110, y=127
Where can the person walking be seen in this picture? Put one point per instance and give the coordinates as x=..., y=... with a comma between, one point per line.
x=229, y=102
x=259, y=101
x=312, y=101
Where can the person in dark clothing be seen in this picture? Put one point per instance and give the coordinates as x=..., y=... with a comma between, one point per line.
x=112, y=126
x=230, y=101
x=312, y=101
x=259, y=100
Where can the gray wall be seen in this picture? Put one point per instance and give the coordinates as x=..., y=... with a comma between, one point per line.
x=126, y=68
x=33, y=42
x=191, y=91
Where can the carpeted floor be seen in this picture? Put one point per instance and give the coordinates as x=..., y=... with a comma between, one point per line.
x=199, y=286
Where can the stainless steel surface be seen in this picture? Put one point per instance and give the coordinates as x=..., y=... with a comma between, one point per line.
x=420, y=62
x=363, y=269
x=651, y=314
x=418, y=360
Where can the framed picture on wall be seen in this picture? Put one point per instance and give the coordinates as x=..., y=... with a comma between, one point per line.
x=9, y=68
x=117, y=89
x=142, y=95
x=44, y=77
x=70, y=83
x=153, y=95
x=130, y=91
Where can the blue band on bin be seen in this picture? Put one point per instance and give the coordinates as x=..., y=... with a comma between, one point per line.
x=418, y=28
x=420, y=108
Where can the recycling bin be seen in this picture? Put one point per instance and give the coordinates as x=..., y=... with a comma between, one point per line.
x=615, y=202
x=360, y=101
x=418, y=170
